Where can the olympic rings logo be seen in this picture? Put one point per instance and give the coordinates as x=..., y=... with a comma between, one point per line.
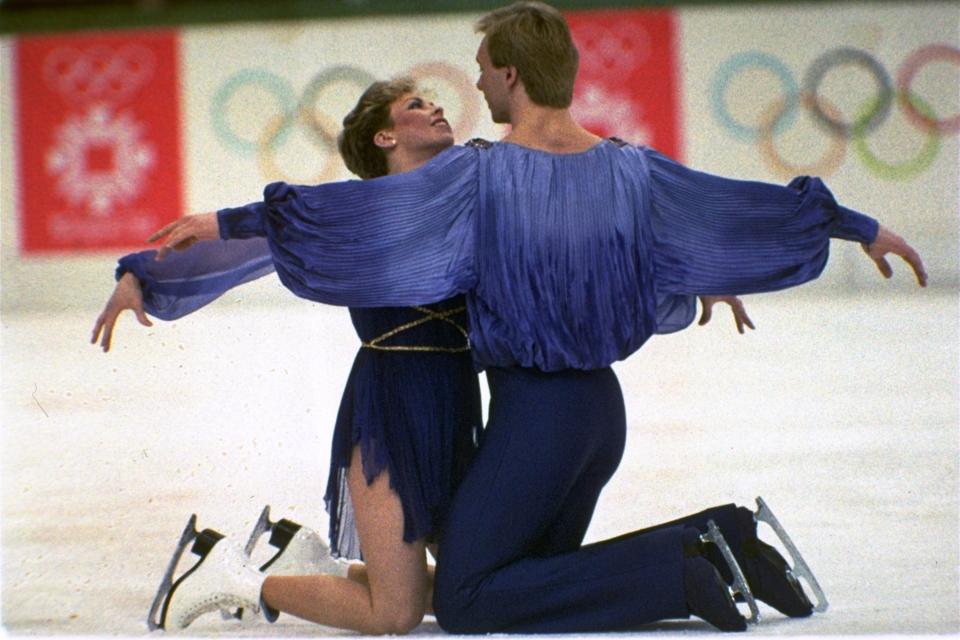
x=286, y=113
x=99, y=73
x=782, y=113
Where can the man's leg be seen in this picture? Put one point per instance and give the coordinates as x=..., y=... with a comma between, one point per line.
x=547, y=435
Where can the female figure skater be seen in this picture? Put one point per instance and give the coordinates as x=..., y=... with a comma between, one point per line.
x=410, y=416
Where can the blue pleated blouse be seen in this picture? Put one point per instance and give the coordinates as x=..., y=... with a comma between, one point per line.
x=567, y=260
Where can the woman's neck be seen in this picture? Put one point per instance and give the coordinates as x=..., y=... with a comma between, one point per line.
x=403, y=160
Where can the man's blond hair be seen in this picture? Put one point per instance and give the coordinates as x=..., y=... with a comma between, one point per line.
x=534, y=38
x=372, y=113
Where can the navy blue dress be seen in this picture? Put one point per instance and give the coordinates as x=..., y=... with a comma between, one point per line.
x=411, y=403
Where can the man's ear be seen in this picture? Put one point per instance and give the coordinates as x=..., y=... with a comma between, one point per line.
x=384, y=139
x=512, y=76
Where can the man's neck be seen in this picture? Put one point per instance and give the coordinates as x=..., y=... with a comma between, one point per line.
x=548, y=129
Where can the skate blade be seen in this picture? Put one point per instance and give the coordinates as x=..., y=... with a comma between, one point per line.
x=166, y=583
x=203, y=542
x=264, y=524
x=800, y=568
x=740, y=585
x=281, y=533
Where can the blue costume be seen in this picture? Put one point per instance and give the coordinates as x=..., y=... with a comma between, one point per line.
x=568, y=263
x=412, y=401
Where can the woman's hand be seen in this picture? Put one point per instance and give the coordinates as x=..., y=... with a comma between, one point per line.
x=736, y=305
x=126, y=295
x=180, y=234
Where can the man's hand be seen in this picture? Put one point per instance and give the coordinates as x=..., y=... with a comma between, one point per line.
x=889, y=242
x=180, y=234
x=126, y=295
x=736, y=305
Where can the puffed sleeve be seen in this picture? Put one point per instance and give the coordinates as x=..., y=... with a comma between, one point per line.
x=398, y=240
x=718, y=236
x=186, y=280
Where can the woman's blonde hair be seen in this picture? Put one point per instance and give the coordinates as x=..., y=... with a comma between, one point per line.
x=371, y=114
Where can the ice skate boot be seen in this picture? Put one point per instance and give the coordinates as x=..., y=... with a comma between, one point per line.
x=301, y=551
x=708, y=595
x=772, y=579
x=220, y=580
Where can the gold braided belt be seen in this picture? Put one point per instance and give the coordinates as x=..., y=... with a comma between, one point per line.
x=428, y=315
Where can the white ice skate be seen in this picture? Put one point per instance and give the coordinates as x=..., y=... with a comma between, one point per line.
x=739, y=586
x=220, y=580
x=800, y=568
x=301, y=551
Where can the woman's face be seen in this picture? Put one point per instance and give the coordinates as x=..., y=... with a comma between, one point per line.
x=418, y=124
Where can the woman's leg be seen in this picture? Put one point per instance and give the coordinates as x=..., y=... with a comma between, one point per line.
x=358, y=573
x=389, y=595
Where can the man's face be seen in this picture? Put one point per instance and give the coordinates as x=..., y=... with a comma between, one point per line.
x=493, y=83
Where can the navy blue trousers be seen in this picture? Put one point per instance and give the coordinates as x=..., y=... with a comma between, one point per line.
x=511, y=558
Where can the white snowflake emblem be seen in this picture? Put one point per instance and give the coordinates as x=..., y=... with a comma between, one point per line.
x=608, y=114
x=100, y=159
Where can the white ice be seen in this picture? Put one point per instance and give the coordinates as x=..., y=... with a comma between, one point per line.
x=842, y=412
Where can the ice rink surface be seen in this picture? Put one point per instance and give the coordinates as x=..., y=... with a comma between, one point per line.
x=841, y=412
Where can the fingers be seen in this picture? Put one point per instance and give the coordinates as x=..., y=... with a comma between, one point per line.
x=174, y=233
x=176, y=242
x=742, y=321
x=912, y=258
x=142, y=317
x=171, y=246
x=883, y=266
x=104, y=326
x=889, y=242
x=107, y=333
x=164, y=231
x=737, y=310
x=97, y=328
x=740, y=315
x=707, y=312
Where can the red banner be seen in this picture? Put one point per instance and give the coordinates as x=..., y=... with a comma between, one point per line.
x=629, y=83
x=99, y=139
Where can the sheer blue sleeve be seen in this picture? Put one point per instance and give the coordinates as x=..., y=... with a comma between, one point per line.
x=184, y=281
x=720, y=236
x=397, y=240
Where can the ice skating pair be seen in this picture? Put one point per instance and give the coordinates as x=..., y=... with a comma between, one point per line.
x=225, y=579
x=716, y=576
